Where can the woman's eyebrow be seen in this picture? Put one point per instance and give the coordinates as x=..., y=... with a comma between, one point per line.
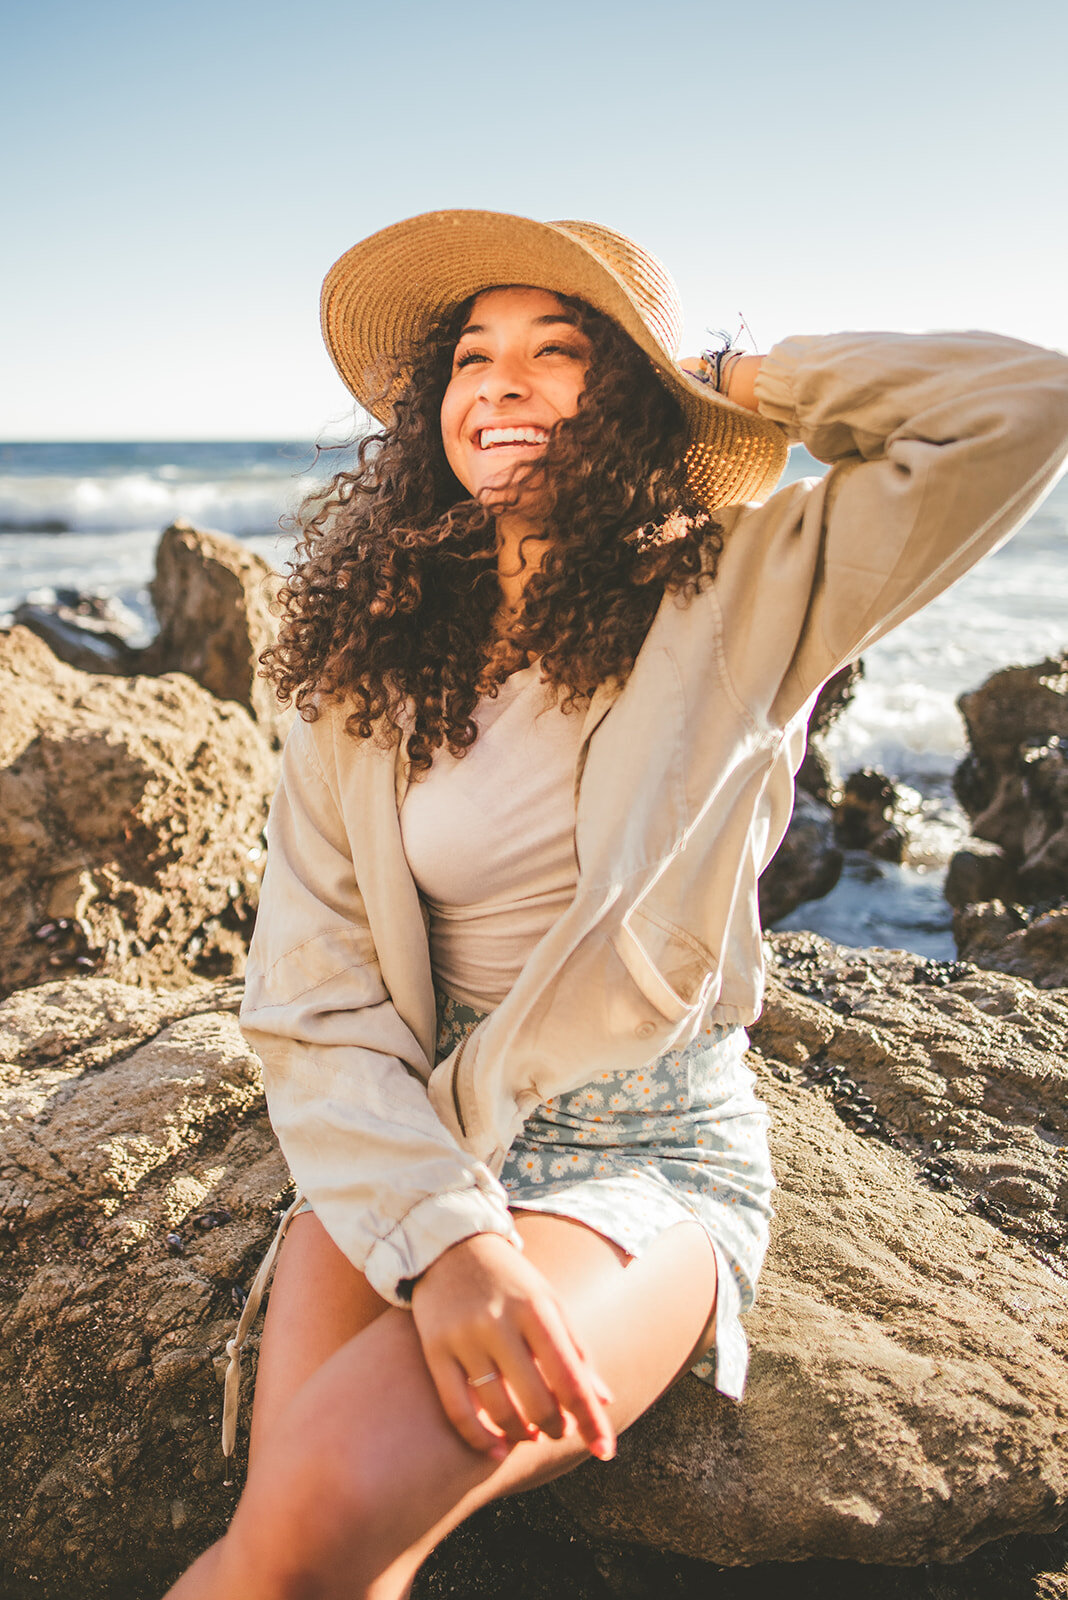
x=536, y=322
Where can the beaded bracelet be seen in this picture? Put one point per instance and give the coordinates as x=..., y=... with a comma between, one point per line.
x=717, y=365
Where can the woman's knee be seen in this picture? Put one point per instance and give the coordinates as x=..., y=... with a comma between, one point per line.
x=304, y=1527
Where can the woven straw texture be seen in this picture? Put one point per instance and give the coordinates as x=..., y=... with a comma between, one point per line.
x=381, y=297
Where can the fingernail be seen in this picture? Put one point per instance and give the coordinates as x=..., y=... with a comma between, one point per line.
x=501, y=1452
x=605, y=1394
x=603, y=1449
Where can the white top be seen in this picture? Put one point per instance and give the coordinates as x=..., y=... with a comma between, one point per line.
x=490, y=839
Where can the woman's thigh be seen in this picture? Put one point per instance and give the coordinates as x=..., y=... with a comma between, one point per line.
x=318, y=1302
x=359, y=1470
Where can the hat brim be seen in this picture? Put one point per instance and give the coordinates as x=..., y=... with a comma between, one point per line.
x=381, y=298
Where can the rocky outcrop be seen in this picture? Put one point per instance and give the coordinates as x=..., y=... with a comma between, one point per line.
x=1009, y=883
x=88, y=631
x=138, y=1181
x=213, y=599
x=131, y=823
x=1014, y=782
x=907, y=1402
x=1028, y=942
x=914, y=1293
x=978, y=871
x=864, y=816
x=808, y=862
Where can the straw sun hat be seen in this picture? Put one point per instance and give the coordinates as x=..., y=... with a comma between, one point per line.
x=381, y=297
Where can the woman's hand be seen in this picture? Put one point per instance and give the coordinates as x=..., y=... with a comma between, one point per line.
x=482, y=1309
x=740, y=372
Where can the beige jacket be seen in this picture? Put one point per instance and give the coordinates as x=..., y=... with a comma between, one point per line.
x=939, y=446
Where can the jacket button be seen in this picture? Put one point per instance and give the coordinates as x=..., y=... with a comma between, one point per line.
x=644, y=1029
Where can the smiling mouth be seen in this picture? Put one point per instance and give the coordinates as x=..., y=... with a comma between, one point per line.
x=494, y=438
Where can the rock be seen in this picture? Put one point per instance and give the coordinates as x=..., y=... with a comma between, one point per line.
x=1027, y=941
x=131, y=823
x=88, y=631
x=833, y=698
x=908, y=1400
x=979, y=871
x=814, y=773
x=128, y=1114
x=1014, y=782
x=1045, y=867
x=526, y=1548
x=213, y=597
x=864, y=816
x=807, y=864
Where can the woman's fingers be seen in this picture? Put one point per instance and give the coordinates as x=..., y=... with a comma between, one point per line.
x=524, y=1389
x=604, y=1393
x=497, y=1401
x=500, y=1351
x=462, y=1408
x=571, y=1380
x=498, y=1404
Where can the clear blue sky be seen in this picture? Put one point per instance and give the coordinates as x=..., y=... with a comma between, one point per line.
x=178, y=177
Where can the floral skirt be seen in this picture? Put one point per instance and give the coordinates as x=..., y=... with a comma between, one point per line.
x=632, y=1153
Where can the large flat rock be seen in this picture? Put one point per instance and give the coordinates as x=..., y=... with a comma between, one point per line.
x=908, y=1399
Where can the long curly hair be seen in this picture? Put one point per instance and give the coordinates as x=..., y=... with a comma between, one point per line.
x=391, y=599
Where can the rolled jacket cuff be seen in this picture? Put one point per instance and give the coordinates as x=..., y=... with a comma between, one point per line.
x=775, y=383
x=429, y=1228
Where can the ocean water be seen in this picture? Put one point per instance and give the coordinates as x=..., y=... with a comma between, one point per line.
x=87, y=517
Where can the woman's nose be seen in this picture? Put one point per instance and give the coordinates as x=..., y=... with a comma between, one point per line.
x=504, y=380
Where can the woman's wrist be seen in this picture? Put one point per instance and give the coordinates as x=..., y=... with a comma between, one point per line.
x=740, y=384
x=732, y=373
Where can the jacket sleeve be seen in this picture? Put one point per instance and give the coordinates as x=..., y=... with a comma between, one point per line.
x=939, y=446
x=345, y=1077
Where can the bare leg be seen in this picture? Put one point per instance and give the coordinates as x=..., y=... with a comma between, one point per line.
x=357, y=1473
x=318, y=1303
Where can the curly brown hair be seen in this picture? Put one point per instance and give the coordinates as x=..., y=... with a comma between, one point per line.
x=391, y=598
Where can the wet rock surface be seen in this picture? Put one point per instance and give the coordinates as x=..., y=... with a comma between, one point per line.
x=131, y=822
x=1009, y=883
x=908, y=1400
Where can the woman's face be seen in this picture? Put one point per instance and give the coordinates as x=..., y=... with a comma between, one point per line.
x=519, y=366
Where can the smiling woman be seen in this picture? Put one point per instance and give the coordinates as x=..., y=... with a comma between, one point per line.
x=519, y=369
x=554, y=660
x=406, y=599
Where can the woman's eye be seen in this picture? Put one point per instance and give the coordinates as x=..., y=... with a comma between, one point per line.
x=466, y=359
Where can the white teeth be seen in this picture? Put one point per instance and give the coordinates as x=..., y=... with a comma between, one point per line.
x=491, y=436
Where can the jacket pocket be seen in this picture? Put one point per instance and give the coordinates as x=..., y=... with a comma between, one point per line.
x=674, y=971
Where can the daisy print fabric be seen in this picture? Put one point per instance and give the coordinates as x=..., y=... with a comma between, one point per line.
x=631, y=1154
